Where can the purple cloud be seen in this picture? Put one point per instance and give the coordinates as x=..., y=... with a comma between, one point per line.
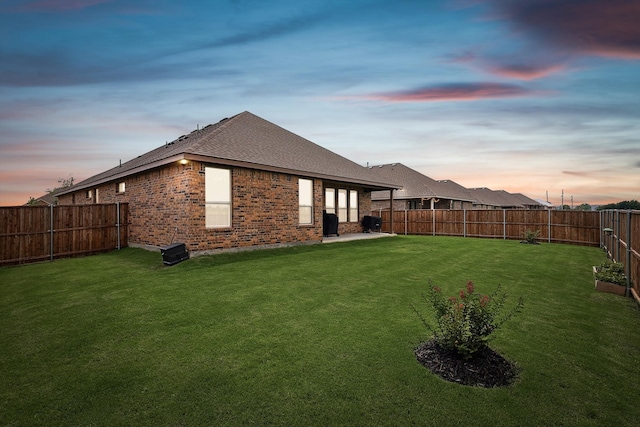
x=596, y=27
x=60, y=5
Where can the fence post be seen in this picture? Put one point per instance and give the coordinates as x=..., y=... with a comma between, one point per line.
x=51, y=232
x=549, y=226
x=433, y=222
x=628, y=255
x=464, y=223
x=118, y=222
x=601, y=233
x=405, y=222
x=504, y=224
x=616, y=256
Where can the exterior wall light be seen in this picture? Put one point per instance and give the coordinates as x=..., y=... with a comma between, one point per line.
x=184, y=161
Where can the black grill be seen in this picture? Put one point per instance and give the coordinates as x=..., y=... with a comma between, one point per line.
x=371, y=223
x=329, y=224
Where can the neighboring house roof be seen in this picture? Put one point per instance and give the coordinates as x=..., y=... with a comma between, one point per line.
x=247, y=140
x=456, y=190
x=50, y=198
x=498, y=199
x=526, y=201
x=546, y=204
x=415, y=185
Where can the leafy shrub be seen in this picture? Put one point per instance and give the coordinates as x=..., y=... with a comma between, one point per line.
x=531, y=236
x=465, y=321
x=612, y=272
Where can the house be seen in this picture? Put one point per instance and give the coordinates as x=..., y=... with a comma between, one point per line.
x=418, y=191
x=485, y=198
x=528, y=202
x=48, y=199
x=242, y=182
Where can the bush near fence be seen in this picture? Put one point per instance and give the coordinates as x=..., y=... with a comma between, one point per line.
x=39, y=233
x=585, y=228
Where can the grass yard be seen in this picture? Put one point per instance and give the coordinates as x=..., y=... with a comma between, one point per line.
x=312, y=335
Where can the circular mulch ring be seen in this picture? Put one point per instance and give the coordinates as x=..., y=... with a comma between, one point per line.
x=485, y=368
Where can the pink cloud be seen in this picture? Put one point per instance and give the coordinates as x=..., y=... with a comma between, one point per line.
x=524, y=71
x=454, y=92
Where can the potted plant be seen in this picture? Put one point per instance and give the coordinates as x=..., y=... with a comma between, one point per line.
x=609, y=277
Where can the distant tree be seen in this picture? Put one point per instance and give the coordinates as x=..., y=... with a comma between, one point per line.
x=32, y=202
x=566, y=207
x=64, y=183
x=584, y=207
x=627, y=204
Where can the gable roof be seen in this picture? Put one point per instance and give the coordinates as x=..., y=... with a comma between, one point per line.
x=495, y=198
x=526, y=201
x=247, y=140
x=416, y=185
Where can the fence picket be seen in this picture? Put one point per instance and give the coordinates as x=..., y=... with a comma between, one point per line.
x=37, y=233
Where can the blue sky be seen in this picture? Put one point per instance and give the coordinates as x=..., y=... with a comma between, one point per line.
x=528, y=96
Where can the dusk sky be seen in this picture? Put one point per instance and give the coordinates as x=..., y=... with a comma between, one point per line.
x=526, y=96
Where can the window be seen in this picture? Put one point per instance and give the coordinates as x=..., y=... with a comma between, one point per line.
x=120, y=187
x=97, y=196
x=305, y=200
x=89, y=194
x=217, y=188
x=353, y=206
x=330, y=200
x=342, y=205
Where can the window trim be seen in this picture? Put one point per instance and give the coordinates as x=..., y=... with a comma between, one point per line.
x=343, y=209
x=305, y=204
x=330, y=208
x=351, y=208
x=218, y=203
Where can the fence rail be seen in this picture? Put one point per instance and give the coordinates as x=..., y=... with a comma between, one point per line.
x=584, y=228
x=39, y=233
x=571, y=227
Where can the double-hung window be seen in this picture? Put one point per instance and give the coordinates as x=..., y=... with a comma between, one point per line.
x=305, y=200
x=217, y=197
x=330, y=200
x=353, y=206
x=342, y=205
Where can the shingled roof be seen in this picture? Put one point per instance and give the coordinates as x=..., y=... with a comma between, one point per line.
x=494, y=198
x=247, y=140
x=416, y=185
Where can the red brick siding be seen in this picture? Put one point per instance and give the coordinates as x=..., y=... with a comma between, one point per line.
x=264, y=208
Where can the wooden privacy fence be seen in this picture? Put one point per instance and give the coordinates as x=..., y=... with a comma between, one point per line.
x=618, y=232
x=38, y=233
x=621, y=240
x=571, y=227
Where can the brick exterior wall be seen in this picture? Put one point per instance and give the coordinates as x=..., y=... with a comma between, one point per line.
x=171, y=199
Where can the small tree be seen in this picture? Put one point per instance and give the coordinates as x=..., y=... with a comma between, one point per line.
x=465, y=321
x=531, y=236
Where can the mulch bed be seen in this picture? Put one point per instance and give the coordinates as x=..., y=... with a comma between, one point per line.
x=485, y=369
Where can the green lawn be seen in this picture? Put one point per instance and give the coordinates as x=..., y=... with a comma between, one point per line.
x=312, y=335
